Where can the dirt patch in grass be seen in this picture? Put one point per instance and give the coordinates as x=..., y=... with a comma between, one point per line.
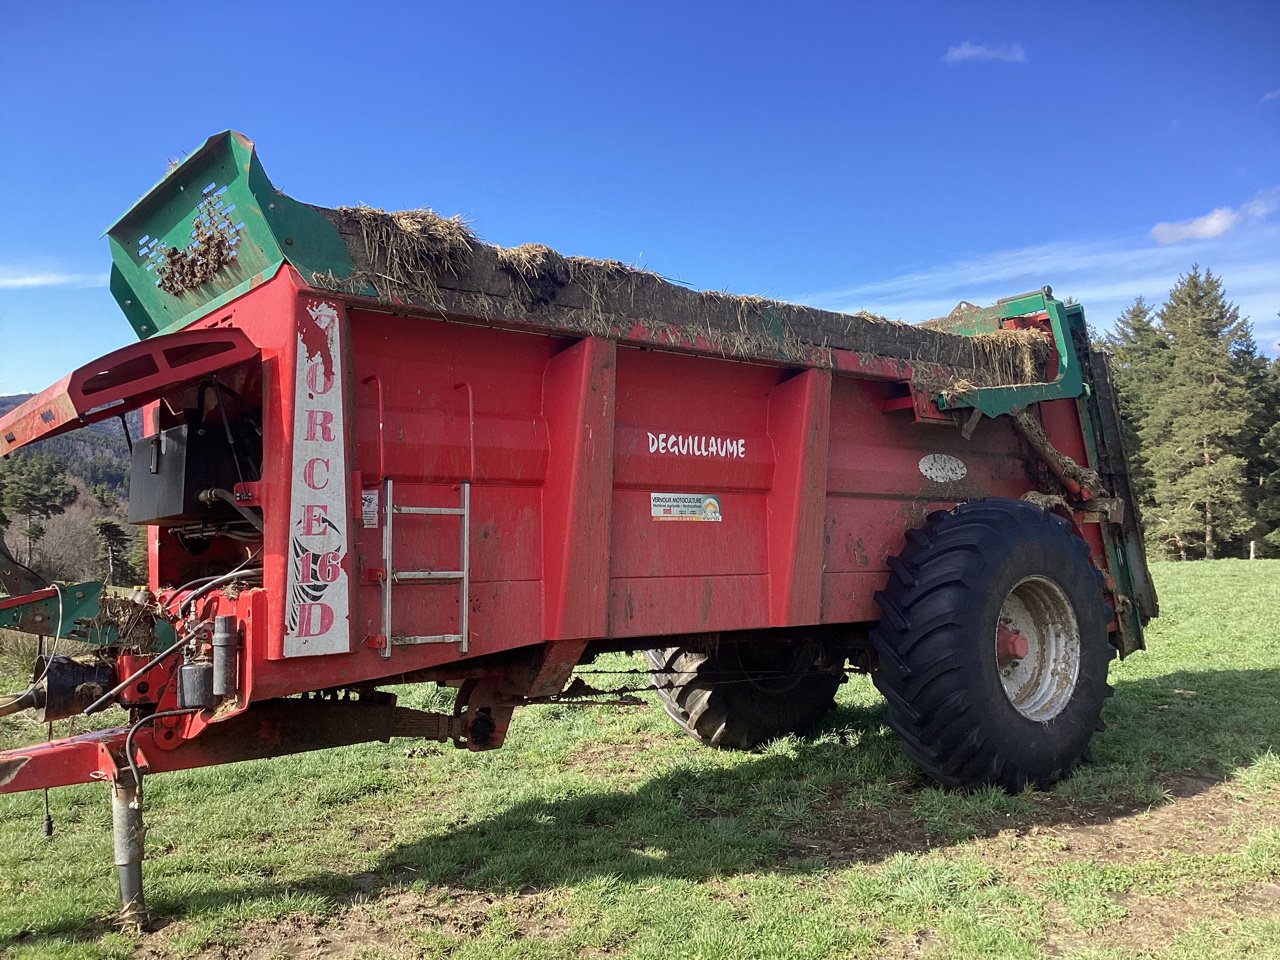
x=1210, y=822
x=613, y=759
x=840, y=836
x=384, y=927
x=1150, y=924
x=1202, y=823
x=1201, y=817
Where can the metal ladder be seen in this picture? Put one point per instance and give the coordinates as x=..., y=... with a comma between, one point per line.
x=392, y=576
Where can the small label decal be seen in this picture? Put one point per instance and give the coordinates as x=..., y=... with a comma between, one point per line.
x=943, y=468
x=685, y=506
x=369, y=498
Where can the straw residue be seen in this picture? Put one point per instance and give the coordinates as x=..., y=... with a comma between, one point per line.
x=184, y=269
x=1060, y=463
x=422, y=258
x=406, y=251
x=541, y=270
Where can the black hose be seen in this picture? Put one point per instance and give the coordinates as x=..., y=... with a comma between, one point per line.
x=107, y=697
x=197, y=594
x=226, y=496
x=128, y=742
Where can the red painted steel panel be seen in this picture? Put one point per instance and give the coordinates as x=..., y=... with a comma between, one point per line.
x=799, y=426
x=578, y=404
x=566, y=442
x=653, y=606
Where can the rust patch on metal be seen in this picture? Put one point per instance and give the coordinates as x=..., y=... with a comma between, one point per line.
x=9, y=769
x=315, y=342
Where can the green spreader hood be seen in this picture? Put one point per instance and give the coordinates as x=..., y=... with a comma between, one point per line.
x=214, y=227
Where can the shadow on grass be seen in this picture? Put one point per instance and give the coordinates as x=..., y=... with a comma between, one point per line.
x=844, y=796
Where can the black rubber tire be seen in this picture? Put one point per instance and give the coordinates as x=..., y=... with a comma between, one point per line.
x=719, y=700
x=935, y=646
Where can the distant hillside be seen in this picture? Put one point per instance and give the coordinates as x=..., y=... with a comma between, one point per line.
x=97, y=454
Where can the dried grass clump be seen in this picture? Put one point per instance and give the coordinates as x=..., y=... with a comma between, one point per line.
x=419, y=257
x=1060, y=463
x=541, y=270
x=407, y=250
x=185, y=269
x=1047, y=501
x=1002, y=358
x=1013, y=356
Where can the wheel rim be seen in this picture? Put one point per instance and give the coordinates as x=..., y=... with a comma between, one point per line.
x=1038, y=648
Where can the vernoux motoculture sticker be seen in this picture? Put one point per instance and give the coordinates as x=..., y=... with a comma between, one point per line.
x=685, y=506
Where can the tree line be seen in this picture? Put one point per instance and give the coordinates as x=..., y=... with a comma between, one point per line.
x=59, y=519
x=1201, y=411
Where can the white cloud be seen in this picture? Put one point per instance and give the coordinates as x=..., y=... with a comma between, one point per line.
x=1217, y=222
x=25, y=280
x=1273, y=95
x=1104, y=275
x=1263, y=205
x=969, y=52
x=1213, y=224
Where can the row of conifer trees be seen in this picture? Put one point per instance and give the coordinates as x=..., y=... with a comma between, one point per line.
x=1201, y=406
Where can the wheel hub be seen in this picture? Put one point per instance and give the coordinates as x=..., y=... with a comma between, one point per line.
x=1037, y=648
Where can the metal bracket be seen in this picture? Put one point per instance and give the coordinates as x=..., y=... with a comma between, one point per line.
x=1063, y=321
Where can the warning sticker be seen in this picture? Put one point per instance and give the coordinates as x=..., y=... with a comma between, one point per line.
x=684, y=506
x=369, y=507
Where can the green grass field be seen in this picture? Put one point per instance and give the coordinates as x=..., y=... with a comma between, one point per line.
x=605, y=832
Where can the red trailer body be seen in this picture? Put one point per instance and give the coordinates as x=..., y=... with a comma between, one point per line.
x=439, y=496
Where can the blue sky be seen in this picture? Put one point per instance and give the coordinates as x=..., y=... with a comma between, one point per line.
x=896, y=157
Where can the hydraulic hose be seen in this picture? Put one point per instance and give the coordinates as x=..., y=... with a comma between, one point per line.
x=226, y=496
x=214, y=584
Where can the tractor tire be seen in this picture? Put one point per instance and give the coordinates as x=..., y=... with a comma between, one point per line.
x=993, y=647
x=741, y=696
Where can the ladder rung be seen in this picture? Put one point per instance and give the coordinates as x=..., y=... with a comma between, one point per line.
x=393, y=576
x=407, y=576
x=438, y=638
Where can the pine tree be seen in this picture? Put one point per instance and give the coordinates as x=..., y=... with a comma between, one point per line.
x=1267, y=463
x=36, y=488
x=113, y=551
x=1194, y=431
x=1139, y=360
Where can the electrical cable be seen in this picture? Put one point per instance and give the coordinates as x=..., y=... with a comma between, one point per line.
x=58, y=633
x=17, y=702
x=187, y=586
x=199, y=580
x=107, y=697
x=197, y=594
x=9, y=558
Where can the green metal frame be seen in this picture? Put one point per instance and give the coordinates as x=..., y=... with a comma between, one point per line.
x=75, y=602
x=270, y=230
x=1066, y=322
x=1090, y=388
x=72, y=615
x=1126, y=553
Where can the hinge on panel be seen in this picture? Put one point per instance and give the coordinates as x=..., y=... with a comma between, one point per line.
x=922, y=405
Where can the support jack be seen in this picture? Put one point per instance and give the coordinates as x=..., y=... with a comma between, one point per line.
x=128, y=836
